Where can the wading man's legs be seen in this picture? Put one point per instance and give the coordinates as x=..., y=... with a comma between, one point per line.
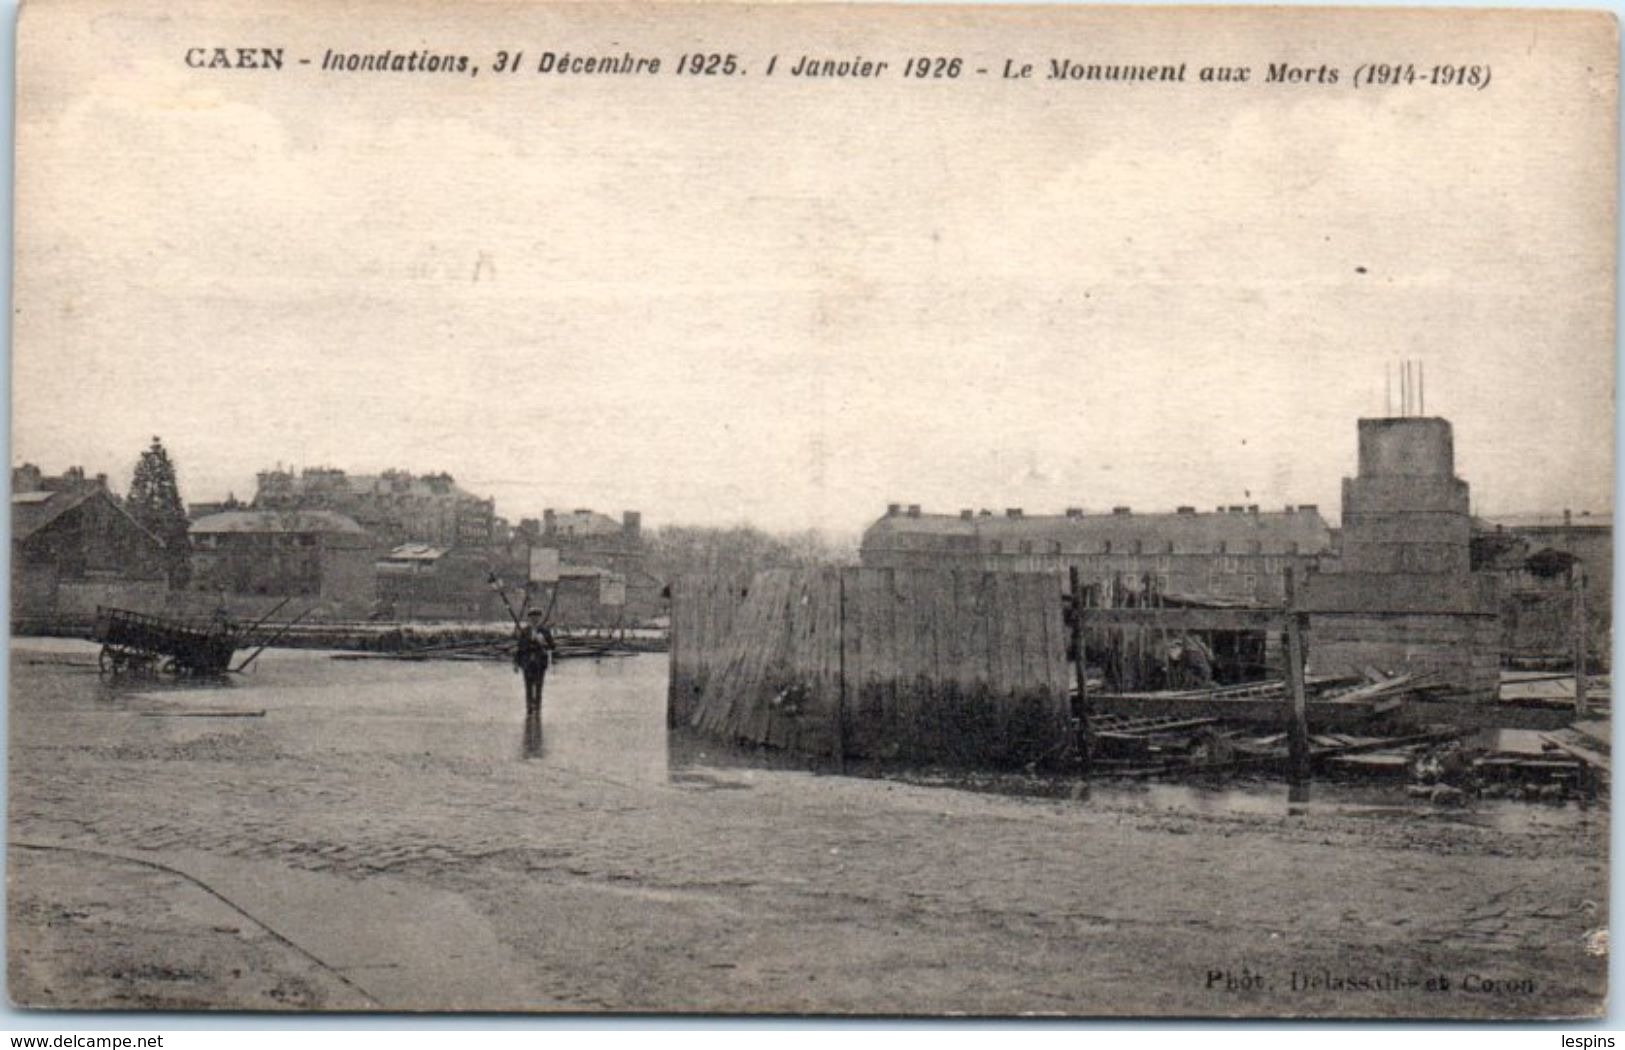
x=533, y=691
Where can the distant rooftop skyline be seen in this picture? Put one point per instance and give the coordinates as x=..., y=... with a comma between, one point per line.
x=118, y=481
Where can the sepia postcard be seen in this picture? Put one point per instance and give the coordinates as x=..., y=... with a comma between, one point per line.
x=812, y=509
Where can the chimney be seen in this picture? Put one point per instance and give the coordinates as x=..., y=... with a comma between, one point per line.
x=1252, y=508
x=1308, y=508
x=893, y=509
x=632, y=524
x=1290, y=509
x=1184, y=510
x=26, y=478
x=1074, y=512
x=913, y=510
x=966, y=514
x=1121, y=510
x=986, y=513
x=1012, y=512
x=1568, y=517
x=550, y=522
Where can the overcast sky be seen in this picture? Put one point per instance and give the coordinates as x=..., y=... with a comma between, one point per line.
x=791, y=302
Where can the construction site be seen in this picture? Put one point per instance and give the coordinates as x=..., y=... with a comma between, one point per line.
x=1133, y=645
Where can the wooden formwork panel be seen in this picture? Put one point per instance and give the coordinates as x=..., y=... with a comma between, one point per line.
x=959, y=666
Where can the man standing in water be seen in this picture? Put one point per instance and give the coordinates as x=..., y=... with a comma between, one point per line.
x=532, y=655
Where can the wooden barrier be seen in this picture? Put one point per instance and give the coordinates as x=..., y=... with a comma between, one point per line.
x=962, y=667
x=702, y=614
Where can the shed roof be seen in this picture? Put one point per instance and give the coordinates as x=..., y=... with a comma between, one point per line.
x=415, y=552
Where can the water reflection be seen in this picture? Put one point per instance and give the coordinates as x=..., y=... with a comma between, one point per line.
x=1297, y=797
x=533, y=735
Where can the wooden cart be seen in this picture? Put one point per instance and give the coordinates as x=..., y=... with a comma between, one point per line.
x=135, y=642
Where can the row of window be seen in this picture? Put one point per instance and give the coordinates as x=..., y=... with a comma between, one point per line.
x=212, y=540
x=1229, y=564
x=971, y=543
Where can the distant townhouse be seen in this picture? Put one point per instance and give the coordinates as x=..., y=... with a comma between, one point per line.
x=395, y=507
x=314, y=554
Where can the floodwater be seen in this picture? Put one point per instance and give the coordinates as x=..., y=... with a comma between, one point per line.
x=599, y=717
x=606, y=719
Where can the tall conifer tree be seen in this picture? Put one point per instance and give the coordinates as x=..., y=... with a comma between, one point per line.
x=155, y=502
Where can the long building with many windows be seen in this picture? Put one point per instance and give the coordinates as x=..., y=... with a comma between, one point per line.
x=1237, y=552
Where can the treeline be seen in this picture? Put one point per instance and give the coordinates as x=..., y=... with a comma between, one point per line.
x=675, y=550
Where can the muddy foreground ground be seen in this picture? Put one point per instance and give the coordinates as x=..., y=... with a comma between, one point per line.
x=386, y=836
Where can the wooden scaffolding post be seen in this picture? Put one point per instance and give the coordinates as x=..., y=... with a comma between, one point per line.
x=674, y=660
x=1582, y=699
x=1086, y=736
x=838, y=729
x=1298, y=722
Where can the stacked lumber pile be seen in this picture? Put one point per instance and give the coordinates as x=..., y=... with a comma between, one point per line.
x=1589, y=742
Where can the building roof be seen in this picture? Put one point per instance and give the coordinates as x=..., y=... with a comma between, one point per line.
x=33, y=511
x=263, y=521
x=415, y=552
x=584, y=522
x=1189, y=533
x=1584, y=519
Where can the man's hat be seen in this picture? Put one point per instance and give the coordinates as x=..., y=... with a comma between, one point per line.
x=534, y=614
